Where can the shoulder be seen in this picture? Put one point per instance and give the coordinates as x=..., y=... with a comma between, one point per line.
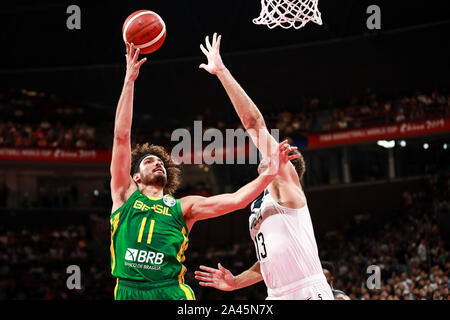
x=186, y=204
x=288, y=194
x=120, y=198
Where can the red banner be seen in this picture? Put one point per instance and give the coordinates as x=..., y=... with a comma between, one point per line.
x=379, y=133
x=55, y=155
x=314, y=141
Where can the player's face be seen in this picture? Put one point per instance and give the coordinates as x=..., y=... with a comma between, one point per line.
x=152, y=171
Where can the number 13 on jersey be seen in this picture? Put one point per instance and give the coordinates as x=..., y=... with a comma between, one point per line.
x=261, y=252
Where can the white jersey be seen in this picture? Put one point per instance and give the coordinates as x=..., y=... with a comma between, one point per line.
x=285, y=246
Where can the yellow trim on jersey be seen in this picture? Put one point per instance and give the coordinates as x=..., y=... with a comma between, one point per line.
x=180, y=255
x=154, y=198
x=115, y=289
x=192, y=292
x=187, y=291
x=150, y=232
x=114, y=223
x=141, y=230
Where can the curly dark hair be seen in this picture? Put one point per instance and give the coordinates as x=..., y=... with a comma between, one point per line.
x=173, y=171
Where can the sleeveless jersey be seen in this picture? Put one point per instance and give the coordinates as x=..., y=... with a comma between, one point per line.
x=284, y=240
x=148, y=239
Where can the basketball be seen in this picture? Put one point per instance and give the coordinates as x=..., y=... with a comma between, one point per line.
x=145, y=29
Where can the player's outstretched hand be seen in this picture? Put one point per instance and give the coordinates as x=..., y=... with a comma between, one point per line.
x=279, y=158
x=133, y=64
x=221, y=278
x=212, y=52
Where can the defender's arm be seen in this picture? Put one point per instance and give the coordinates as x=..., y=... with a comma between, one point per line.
x=248, y=112
x=224, y=280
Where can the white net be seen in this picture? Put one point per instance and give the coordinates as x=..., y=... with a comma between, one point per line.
x=288, y=13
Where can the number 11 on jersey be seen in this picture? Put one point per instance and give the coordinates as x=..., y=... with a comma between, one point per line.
x=150, y=231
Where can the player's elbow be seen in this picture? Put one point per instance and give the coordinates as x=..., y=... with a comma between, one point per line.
x=254, y=123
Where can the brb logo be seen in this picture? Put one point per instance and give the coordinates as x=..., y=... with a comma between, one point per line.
x=142, y=256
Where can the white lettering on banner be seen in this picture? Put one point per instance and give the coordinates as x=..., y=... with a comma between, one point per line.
x=27, y=154
x=88, y=154
x=358, y=134
x=9, y=152
x=388, y=131
x=431, y=124
x=68, y=154
x=325, y=137
x=342, y=135
x=30, y=152
x=391, y=129
x=375, y=131
x=410, y=127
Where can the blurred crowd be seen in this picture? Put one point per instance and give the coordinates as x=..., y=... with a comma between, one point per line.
x=34, y=262
x=70, y=126
x=65, y=125
x=373, y=111
x=409, y=248
x=312, y=115
x=54, y=195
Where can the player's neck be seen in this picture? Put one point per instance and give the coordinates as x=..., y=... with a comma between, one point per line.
x=153, y=191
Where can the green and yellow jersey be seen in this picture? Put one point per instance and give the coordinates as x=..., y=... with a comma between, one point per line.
x=148, y=239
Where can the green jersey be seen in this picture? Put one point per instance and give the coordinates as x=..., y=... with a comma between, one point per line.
x=148, y=239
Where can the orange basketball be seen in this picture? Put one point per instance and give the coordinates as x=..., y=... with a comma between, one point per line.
x=145, y=29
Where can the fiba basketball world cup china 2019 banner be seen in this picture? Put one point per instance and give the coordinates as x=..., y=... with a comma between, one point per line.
x=63, y=155
x=379, y=133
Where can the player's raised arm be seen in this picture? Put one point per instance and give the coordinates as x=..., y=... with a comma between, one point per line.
x=121, y=183
x=248, y=112
x=198, y=208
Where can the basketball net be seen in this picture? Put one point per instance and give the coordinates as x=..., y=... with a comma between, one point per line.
x=288, y=13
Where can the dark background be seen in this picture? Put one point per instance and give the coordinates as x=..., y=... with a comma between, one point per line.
x=338, y=58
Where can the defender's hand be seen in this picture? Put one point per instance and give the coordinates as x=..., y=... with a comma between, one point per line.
x=279, y=159
x=221, y=278
x=133, y=64
x=212, y=52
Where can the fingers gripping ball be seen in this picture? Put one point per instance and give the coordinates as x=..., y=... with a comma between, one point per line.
x=145, y=29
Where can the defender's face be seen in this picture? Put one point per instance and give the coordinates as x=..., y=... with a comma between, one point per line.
x=152, y=171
